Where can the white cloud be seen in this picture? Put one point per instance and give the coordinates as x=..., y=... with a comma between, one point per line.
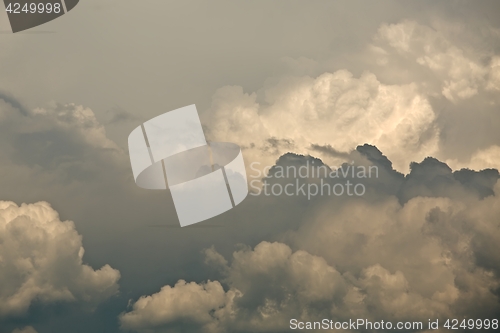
x=461, y=71
x=198, y=305
x=414, y=64
x=273, y=281
x=334, y=109
x=41, y=261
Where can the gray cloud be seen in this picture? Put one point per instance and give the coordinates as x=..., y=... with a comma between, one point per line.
x=423, y=248
x=14, y=103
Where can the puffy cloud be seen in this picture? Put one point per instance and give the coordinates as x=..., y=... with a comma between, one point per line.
x=70, y=118
x=423, y=248
x=278, y=284
x=266, y=285
x=414, y=76
x=41, y=261
x=334, y=109
x=434, y=255
x=59, y=146
x=275, y=268
x=62, y=154
x=455, y=65
x=189, y=304
x=461, y=70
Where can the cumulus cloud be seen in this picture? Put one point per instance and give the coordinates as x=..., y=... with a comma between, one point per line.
x=413, y=74
x=199, y=306
x=62, y=143
x=267, y=285
x=417, y=252
x=41, y=261
x=337, y=109
x=423, y=249
x=455, y=65
x=461, y=70
x=62, y=154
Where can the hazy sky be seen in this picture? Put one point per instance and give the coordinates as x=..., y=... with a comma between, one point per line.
x=83, y=249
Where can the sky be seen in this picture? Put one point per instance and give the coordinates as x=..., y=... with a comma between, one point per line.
x=411, y=88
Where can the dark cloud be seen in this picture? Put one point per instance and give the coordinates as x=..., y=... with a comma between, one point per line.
x=8, y=98
x=421, y=248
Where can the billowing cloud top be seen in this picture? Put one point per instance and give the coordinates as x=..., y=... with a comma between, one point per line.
x=41, y=261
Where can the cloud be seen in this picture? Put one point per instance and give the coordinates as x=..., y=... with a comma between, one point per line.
x=461, y=70
x=63, y=141
x=295, y=279
x=41, y=261
x=410, y=100
x=199, y=306
x=63, y=155
x=455, y=65
x=369, y=281
x=423, y=247
x=431, y=256
x=301, y=113
x=7, y=98
x=67, y=160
